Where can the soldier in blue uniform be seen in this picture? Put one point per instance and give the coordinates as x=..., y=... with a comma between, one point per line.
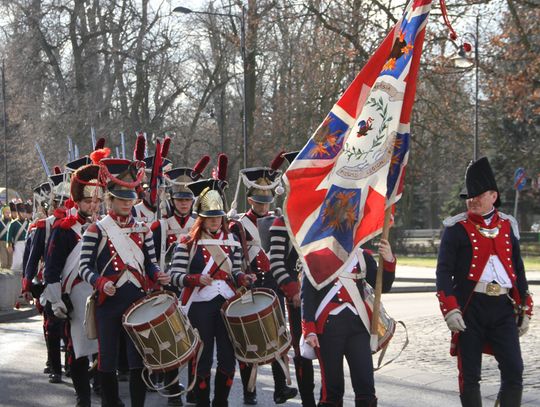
x=261, y=184
x=65, y=291
x=168, y=232
x=5, y=219
x=336, y=322
x=118, y=259
x=482, y=289
x=207, y=265
x=286, y=271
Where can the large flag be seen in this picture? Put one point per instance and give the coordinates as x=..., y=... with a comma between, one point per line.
x=352, y=168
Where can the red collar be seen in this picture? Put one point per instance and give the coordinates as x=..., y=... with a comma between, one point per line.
x=121, y=220
x=254, y=216
x=182, y=220
x=479, y=219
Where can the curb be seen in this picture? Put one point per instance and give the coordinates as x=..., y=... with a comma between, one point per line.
x=15, y=315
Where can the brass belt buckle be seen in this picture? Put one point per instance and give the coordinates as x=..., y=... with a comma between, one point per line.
x=493, y=289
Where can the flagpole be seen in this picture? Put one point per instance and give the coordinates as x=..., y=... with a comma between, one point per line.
x=379, y=283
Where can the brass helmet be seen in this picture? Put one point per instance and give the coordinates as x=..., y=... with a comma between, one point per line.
x=210, y=200
x=210, y=197
x=85, y=183
x=261, y=183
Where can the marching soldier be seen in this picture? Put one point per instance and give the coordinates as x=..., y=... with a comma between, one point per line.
x=5, y=254
x=207, y=265
x=52, y=326
x=118, y=259
x=261, y=183
x=286, y=271
x=336, y=323
x=170, y=230
x=17, y=236
x=65, y=291
x=482, y=289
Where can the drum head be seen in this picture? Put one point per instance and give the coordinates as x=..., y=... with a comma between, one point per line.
x=260, y=302
x=150, y=309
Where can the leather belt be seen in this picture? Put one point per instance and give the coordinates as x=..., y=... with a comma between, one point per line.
x=491, y=289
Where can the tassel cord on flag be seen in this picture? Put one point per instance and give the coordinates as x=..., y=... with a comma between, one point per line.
x=379, y=283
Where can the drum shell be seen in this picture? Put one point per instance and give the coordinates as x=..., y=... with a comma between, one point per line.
x=251, y=330
x=167, y=341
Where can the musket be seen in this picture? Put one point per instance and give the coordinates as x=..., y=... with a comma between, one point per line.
x=76, y=151
x=93, y=134
x=43, y=162
x=117, y=152
x=123, y=144
x=70, y=149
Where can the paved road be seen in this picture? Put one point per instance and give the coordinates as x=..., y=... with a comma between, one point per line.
x=424, y=375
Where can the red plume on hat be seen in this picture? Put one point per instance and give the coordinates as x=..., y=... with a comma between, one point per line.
x=165, y=147
x=201, y=165
x=221, y=173
x=277, y=161
x=140, y=146
x=100, y=154
x=57, y=170
x=99, y=144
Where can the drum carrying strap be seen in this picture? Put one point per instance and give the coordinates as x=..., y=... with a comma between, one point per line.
x=127, y=249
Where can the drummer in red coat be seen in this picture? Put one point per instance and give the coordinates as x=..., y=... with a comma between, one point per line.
x=118, y=259
x=207, y=264
x=336, y=322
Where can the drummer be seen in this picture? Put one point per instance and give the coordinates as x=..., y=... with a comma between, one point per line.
x=169, y=231
x=120, y=269
x=333, y=325
x=261, y=184
x=207, y=264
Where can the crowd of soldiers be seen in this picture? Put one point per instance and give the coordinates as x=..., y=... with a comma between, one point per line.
x=105, y=227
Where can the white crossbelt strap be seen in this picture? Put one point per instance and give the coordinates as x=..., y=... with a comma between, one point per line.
x=127, y=275
x=127, y=249
x=70, y=270
x=350, y=285
x=205, y=271
x=255, y=243
x=4, y=229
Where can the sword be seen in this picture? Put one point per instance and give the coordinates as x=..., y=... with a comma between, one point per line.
x=43, y=162
x=93, y=134
x=123, y=144
x=70, y=149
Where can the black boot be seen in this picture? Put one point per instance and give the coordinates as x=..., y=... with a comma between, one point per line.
x=282, y=392
x=510, y=396
x=81, y=381
x=222, y=384
x=306, y=382
x=173, y=386
x=137, y=388
x=369, y=402
x=471, y=398
x=250, y=397
x=202, y=391
x=109, y=389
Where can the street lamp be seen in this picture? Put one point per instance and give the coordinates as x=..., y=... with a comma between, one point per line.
x=242, y=18
x=463, y=61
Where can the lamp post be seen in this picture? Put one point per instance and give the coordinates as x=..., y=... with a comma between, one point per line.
x=5, y=131
x=242, y=19
x=464, y=62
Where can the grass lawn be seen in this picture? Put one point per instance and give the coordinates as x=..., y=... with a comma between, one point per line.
x=532, y=263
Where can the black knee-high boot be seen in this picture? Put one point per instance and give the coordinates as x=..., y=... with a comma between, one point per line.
x=282, y=392
x=137, y=388
x=202, y=391
x=370, y=402
x=109, y=389
x=306, y=381
x=222, y=383
x=81, y=381
x=471, y=398
x=510, y=396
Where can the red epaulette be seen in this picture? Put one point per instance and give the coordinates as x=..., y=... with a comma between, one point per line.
x=279, y=221
x=40, y=224
x=93, y=228
x=67, y=222
x=155, y=225
x=185, y=239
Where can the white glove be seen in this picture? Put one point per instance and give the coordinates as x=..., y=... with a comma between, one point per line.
x=454, y=320
x=59, y=309
x=524, y=327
